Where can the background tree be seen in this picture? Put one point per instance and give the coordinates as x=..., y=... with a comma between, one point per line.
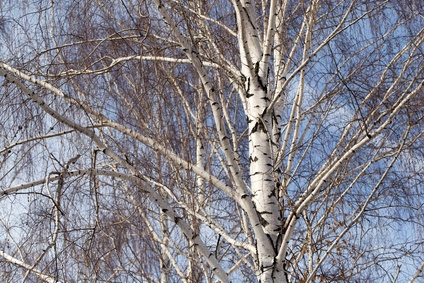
x=211, y=141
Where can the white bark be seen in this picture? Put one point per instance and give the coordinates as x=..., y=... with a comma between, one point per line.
x=29, y=268
x=255, y=70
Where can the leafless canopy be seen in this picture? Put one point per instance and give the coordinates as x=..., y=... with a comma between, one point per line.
x=211, y=141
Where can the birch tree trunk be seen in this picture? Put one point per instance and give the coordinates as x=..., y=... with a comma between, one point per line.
x=211, y=141
x=255, y=70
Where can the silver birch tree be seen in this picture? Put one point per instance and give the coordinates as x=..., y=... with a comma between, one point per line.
x=211, y=141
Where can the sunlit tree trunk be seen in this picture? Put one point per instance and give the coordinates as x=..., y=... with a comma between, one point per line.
x=255, y=69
